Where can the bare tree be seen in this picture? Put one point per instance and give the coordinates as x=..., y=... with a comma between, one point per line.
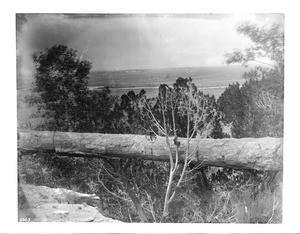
x=171, y=109
x=117, y=174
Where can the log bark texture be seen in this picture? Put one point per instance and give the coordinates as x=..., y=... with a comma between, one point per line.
x=247, y=153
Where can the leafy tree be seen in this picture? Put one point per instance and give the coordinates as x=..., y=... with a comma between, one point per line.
x=60, y=87
x=256, y=108
x=126, y=116
x=232, y=96
x=97, y=111
x=268, y=42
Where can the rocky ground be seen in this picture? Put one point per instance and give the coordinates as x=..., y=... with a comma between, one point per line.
x=44, y=204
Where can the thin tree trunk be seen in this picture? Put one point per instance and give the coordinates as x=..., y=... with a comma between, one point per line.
x=136, y=202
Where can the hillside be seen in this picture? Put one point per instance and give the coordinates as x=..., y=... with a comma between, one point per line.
x=44, y=204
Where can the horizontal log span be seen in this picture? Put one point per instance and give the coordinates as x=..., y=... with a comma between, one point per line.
x=247, y=153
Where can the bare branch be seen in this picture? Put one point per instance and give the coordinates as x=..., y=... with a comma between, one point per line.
x=110, y=192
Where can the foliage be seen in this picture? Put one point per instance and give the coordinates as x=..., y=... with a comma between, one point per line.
x=227, y=202
x=53, y=171
x=126, y=116
x=62, y=97
x=268, y=42
x=173, y=102
x=256, y=108
x=60, y=87
x=232, y=97
x=96, y=111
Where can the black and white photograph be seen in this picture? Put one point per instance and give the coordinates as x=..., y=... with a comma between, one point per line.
x=150, y=118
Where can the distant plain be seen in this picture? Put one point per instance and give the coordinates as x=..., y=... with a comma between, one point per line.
x=210, y=80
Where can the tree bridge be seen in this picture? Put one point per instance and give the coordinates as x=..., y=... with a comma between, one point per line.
x=247, y=153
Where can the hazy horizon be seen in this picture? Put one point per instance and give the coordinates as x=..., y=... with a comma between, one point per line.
x=136, y=41
x=110, y=73
x=165, y=68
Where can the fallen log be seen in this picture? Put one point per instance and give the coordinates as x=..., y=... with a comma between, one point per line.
x=247, y=153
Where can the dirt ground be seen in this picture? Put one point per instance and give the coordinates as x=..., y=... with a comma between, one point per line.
x=44, y=204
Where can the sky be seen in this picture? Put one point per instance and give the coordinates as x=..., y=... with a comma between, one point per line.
x=136, y=41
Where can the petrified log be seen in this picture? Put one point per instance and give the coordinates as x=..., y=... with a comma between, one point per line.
x=247, y=153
